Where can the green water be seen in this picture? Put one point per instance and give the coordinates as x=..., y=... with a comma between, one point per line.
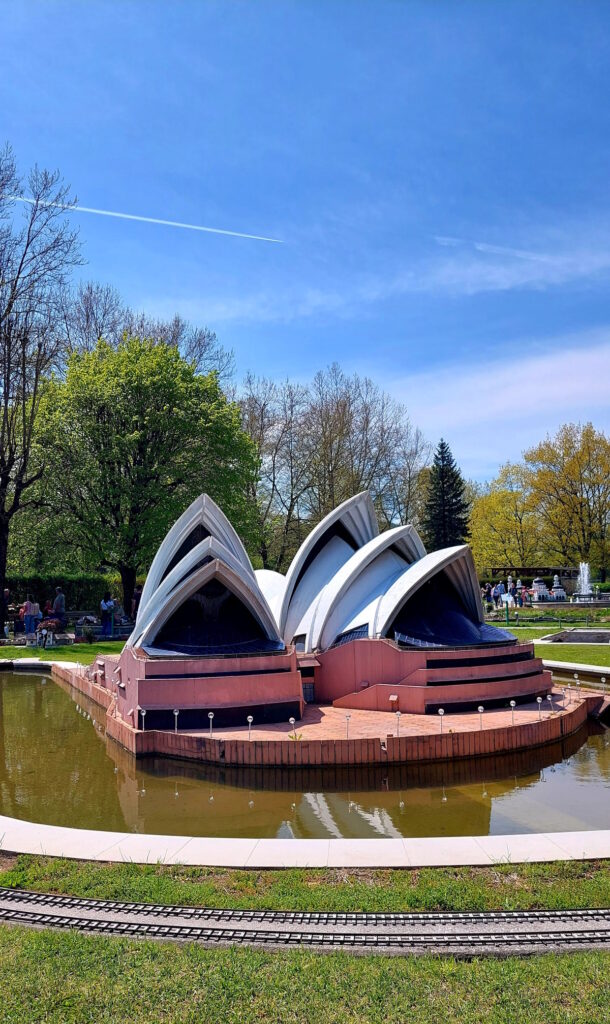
x=57, y=767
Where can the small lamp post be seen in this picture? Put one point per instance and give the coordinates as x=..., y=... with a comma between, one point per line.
x=604, y=684
x=211, y=718
x=549, y=697
x=249, y=720
x=291, y=722
x=143, y=717
x=481, y=709
x=539, y=700
x=513, y=704
x=398, y=724
x=441, y=712
x=347, y=718
x=176, y=713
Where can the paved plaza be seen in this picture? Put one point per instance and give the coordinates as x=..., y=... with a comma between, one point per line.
x=322, y=722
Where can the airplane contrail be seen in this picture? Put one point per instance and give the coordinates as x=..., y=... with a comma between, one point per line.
x=150, y=220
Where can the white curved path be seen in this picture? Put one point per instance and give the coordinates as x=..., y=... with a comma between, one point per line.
x=88, y=844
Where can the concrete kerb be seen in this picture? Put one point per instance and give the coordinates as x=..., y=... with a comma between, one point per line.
x=447, y=851
x=17, y=836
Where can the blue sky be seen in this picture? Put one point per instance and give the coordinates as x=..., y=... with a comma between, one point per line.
x=438, y=174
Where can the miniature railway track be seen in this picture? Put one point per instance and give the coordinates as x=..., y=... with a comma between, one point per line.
x=460, y=934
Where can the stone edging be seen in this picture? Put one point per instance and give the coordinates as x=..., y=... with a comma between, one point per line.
x=88, y=844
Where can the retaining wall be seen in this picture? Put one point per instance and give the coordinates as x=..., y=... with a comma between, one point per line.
x=309, y=753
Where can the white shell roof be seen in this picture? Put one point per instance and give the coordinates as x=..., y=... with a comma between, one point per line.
x=457, y=562
x=202, y=512
x=345, y=575
x=357, y=516
x=242, y=586
x=347, y=598
x=209, y=549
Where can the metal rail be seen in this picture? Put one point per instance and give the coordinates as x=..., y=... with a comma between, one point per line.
x=376, y=919
x=455, y=933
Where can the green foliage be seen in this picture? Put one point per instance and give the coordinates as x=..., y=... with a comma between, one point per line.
x=445, y=518
x=133, y=435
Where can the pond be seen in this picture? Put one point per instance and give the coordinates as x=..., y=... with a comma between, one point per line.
x=58, y=767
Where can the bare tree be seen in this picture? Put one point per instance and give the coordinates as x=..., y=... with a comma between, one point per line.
x=37, y=252
x=273, y=416
x=93, y=311
x=90, y=312
x=359, y=438
x=322, y=443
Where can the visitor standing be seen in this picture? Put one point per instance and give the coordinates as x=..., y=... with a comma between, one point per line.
x=31, y=615
x=107, y=608
x=135, y=601
x=59, y=605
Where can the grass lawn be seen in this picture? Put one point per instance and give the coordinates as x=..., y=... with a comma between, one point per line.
x=68, y=977
x=584, y=654
x=85, y=653
x=52, y=977
x=560, y=885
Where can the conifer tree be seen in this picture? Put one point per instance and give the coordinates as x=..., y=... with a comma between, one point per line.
x=445, y=519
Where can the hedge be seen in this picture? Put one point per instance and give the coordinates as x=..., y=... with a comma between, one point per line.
x=83, y=591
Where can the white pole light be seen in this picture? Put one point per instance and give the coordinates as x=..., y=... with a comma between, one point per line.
x=539, y=700
x=512, y=710
x=249, y=720
x=481, y=710
x=211, y=718
x=441, y=712
x=176, y=713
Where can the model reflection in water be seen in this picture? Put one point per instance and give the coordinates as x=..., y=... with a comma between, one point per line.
x=57, y=767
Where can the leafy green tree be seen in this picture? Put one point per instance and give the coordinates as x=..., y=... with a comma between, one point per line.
x=133, y=434
x=445, y=518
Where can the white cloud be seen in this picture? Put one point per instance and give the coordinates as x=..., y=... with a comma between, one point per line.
x=471, y=271
x=490, y=412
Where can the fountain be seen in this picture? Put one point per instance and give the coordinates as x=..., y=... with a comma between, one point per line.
x=584, y=592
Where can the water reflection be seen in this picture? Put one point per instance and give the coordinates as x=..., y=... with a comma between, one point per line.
x=56, y=766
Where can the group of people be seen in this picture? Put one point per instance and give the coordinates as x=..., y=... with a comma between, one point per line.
x=519, y=596
x=30, y=613
x=33, y=617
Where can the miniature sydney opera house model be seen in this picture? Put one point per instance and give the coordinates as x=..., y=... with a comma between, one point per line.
x=361, y=619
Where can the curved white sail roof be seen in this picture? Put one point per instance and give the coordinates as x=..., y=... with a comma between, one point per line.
x=244, y=588
x=349, y=598
x=329, y=545
x=202, y=516
x=457, y=562
x=207, y=550
x=273, y=585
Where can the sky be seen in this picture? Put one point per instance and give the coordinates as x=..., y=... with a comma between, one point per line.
x=435, y=176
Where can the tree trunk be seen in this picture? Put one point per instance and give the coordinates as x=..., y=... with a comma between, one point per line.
x=128, y=582
x=4, y=525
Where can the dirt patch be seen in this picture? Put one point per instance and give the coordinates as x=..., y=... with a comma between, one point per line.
x=7, y=861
